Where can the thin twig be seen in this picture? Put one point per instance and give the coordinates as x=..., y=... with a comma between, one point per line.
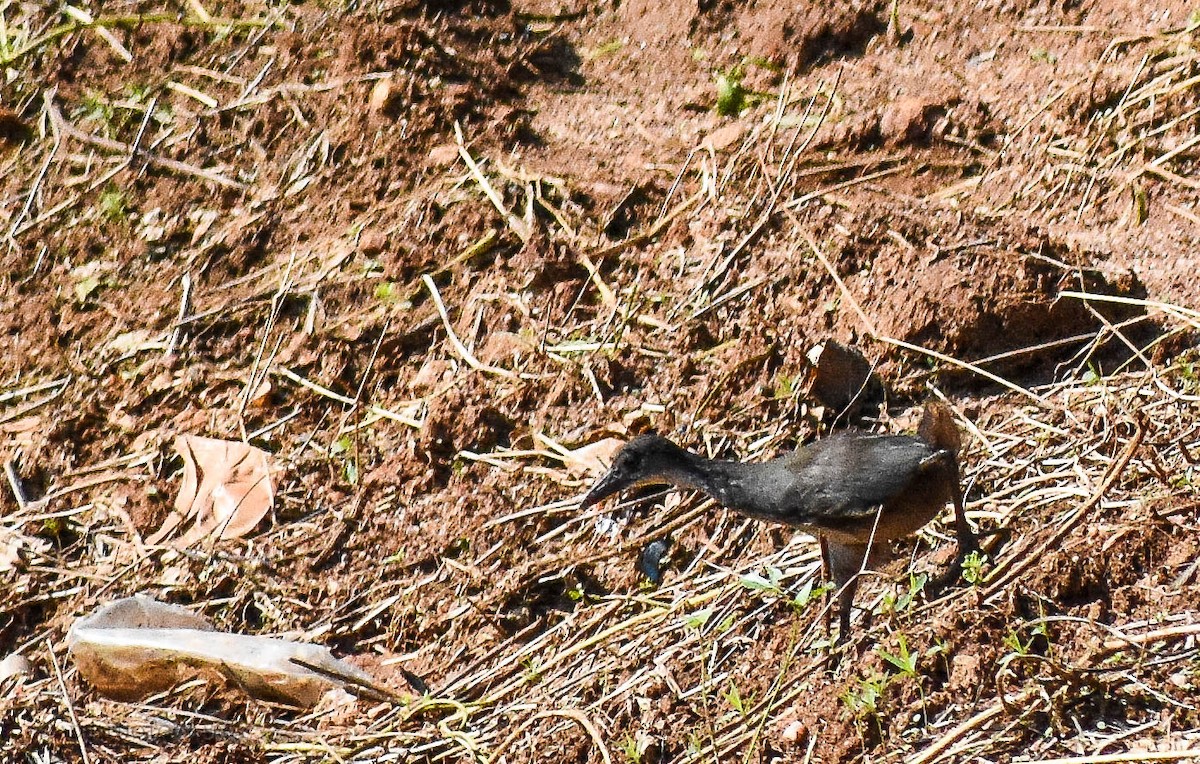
x=108, y=144
x=462, y=350
x=62, y=685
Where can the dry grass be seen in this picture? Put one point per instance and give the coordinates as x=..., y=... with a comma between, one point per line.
x=712, y=664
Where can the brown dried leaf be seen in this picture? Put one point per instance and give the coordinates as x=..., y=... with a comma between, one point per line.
x=592, y=459
x=11, y=545
x=226, y=490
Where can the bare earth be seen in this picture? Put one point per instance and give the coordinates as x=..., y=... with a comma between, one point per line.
x=634, y=216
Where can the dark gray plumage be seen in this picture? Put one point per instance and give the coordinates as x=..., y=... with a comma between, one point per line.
x=850, y=490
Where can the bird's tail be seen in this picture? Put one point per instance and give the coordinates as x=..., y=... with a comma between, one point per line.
x=938, y=429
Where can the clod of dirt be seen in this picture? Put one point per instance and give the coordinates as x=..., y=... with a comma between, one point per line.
x=444, y=155
x=372, y=243
x=724, y=137
x=15, y=665
x=381, y=93
x=981, y=301
x=807, y=32
x=844, y=381
x=13, y=129
x=909, y=120
x=965, y=671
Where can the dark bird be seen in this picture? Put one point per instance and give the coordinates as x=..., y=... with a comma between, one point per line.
x=850, y=490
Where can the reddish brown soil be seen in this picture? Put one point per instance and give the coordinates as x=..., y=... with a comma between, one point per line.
x=661, y=267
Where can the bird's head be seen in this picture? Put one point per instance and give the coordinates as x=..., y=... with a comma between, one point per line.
x=645, y=460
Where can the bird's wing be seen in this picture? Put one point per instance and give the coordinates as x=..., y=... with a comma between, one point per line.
x=849, y=477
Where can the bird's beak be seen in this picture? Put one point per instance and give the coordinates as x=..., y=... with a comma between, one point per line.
x=609, y=484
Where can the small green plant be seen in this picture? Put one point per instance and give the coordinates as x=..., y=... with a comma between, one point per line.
x=726, y=624
x=863, y=698
x=916, y=584
x=904, y=660
x=1013, y=642
x=631, y=748
x=1190, y=375
x=731, y=94
x=578, y=593
x=697, y=619
x=1018, y=648
x=113, y=204
x=785, y=387
x=604, y=49
x=343, y=450
x=94, y=107
x=773, y=584
x=532, y=670
x=1141, y=204
x=906, y=663
x=387, y=292
x=735, y=700
x=972, y=568
x=808, y=593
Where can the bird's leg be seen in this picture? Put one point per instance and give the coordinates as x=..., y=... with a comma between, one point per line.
x=827, y=571
x=967, y=542
x=845, y=562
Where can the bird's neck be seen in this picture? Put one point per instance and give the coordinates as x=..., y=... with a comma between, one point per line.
x=731, y=484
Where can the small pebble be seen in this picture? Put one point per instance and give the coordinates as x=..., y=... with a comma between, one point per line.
x=649, y=563
x=15, y=665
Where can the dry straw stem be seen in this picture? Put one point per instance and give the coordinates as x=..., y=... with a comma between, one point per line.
x=1119, y=758
x=518, y=226
x=58, y=387
x=131, y=152
x=459, y=347
x=325, y=392
x=956, y=734
x=569, y=713
x=654, y=230
x=66, y=697
x=1149, y=637
x=1002, y=577
x=130, y=21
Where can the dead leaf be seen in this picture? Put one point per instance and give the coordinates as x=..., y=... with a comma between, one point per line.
x=938, y=429
x=11, y=544
x=226, y=490
x=137, y=646
x=844, y=381
x=258, y=398
x=724, y=137
x=592, y=459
